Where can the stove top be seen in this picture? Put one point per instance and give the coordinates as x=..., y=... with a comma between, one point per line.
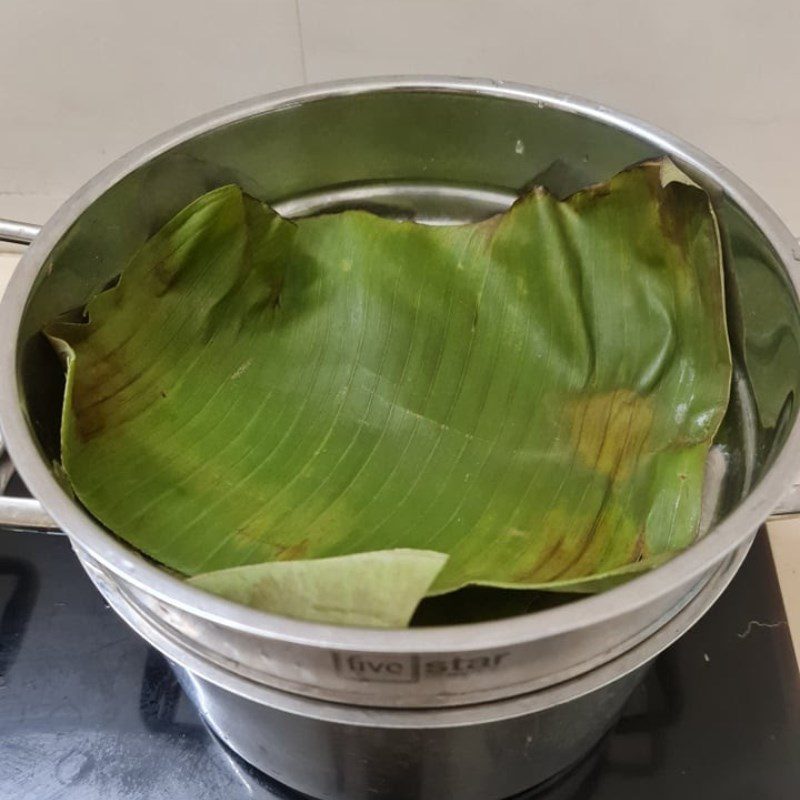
x=89, y=711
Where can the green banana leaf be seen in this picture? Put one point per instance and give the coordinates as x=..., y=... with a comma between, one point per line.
x=533, y=395
x=370, y=590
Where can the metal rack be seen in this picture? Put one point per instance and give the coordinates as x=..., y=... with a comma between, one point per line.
x=19, y=512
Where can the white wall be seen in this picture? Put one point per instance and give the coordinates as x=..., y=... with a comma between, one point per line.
x=85, y=80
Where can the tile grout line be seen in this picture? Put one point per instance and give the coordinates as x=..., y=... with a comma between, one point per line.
x=304, y=70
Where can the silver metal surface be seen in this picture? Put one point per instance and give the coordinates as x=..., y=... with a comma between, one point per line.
x=479, y=761
x=480, y=752
x=442, y=675
x=24, y=514
x=19, y=513
x=367, y=142
x=18, y=232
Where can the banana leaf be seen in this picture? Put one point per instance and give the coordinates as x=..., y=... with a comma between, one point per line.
x=533, y=395
x=371, y=590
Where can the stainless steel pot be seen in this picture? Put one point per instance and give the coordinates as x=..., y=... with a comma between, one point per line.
x=437, y=150
x=479, y=752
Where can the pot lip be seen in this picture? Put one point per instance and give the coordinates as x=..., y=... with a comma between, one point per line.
x=488, y=712
x=137, y=570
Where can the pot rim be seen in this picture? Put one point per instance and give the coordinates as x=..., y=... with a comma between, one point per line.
x=486, y=712
x=136, y=569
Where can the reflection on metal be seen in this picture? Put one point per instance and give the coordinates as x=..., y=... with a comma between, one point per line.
x=18, y=232
x=23, y=513
x=160, y=698
x=18, y=512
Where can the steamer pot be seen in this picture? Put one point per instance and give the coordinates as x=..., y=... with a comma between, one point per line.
x=438, y=150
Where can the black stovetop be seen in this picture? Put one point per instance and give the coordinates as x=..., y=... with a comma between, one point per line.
x=89, y=712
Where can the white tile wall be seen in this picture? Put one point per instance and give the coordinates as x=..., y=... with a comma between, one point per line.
x=83, y=81
x=724, y=74
x=8, y=261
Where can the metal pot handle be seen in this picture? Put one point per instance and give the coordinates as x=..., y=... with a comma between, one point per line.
x=20, y=512
x=18, y=232
x=28, y=514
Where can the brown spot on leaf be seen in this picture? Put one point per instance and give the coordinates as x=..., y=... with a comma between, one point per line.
x=545, y=565
x=292, y=552
x=608, y=430
x=674, y=212
x=93, y=387
x=640, y=550
x=590, y=194
x=557, y=529
x=96, y=404
x=246, y=535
